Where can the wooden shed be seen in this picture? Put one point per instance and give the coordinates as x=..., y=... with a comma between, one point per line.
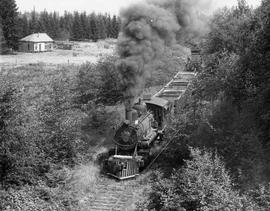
x=37, y=42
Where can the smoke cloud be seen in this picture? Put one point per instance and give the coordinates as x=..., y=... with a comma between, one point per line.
x=147, y=29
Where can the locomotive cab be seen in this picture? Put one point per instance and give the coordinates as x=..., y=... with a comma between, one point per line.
x=160, y=109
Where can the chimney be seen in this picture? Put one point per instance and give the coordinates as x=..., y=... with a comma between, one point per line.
x=128, y=108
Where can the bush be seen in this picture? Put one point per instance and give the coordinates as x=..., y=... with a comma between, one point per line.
x=99, y=82
x=202, y=184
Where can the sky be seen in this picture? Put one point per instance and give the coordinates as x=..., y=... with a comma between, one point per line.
x=109, y=6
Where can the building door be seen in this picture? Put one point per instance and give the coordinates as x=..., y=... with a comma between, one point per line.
x=39, y=47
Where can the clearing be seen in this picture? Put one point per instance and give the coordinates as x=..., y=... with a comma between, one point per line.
x=81, y=52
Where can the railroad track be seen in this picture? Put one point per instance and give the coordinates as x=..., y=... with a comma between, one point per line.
x=112, y=195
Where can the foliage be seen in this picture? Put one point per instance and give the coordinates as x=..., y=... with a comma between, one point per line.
x=3, y=44
x=225, y=109
x=41, y=137
x=9, y=22
x=168, y=64
x=99, y=82
x=75, y=26
x=231, y=29
x=57, y=133
x=229, y=90
x=261, y=196
x=99, y=119
x=17, y=152
x=202, y=184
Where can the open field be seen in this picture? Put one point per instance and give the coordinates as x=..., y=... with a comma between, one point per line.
x=81, y=52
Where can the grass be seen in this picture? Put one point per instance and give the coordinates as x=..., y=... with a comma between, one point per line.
x=84, y=51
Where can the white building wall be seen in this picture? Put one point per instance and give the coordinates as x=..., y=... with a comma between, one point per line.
x=35, y=47
x=39, y=47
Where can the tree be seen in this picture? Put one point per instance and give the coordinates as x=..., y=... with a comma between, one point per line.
x=23, y=25
x=77, y=28
x=231, y=29
x=108, y=23
x=115, y=26
x=202, y=184
x=55, y=25
x=101, y=27
x=84, y=25
x=3, y=44
x=44, y=21
x=34, y=23
x=99, y=82
x=94, y=27
x=110, y=90
x=9, y=17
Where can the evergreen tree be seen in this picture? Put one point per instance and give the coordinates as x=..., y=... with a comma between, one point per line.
x=9, y=16
x=77, y=26
x=101, y=27
x=24, y=26
x=55, y=25
x=33, y=24
x=84, y=25
x=94, y=27
x=66, y=22
x=115, y=26
x=109, y=26
x=3, y=44
x=44, y=21
x=77, y=29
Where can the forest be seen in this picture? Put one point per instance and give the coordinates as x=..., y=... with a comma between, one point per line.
x=77, y=26
x=221, y=157
x=219, y=161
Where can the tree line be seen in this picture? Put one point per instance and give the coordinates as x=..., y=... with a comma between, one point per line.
x=74, y=26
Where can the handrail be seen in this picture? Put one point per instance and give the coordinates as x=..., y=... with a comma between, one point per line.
x=171, y=140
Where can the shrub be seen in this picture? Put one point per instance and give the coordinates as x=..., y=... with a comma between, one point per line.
x=202, y=184
x=99, y=82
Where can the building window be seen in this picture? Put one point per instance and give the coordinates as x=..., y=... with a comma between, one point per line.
x=125, y=165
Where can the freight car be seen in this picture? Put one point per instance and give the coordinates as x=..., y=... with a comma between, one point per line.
x=194, y=61
x=139, y=138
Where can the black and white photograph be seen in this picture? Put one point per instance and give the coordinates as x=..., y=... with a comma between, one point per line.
x=134, y=105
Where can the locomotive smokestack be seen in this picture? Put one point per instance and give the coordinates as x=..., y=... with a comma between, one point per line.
x=128, y=108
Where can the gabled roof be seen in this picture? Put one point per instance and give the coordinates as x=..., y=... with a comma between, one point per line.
x=37, y=37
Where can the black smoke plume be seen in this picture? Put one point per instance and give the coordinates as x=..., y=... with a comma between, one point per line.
x=147, y=29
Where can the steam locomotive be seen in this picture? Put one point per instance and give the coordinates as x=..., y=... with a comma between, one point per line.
x=140, y=137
